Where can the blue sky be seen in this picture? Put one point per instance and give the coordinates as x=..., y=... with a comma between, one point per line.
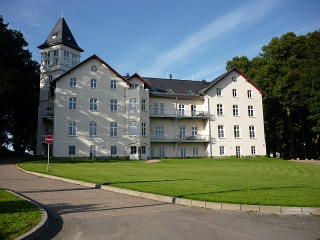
x=190, y=39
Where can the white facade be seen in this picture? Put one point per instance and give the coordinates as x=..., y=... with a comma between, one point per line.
x=91, y=110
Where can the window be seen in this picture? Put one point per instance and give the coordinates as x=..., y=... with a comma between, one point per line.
x=194, y=131
x=46, y=62
x=66, y=57
x=93, y=129
x=161, y=152
x=221, y=131
x=161, y=108
x=93, y=104
x=181, y=110
x=155, y=108
x=56, y=53
x=182, y=130
x=55, y=57
x=234, y=79
x=50, y=78
x=72, y=150
x=113, y=150
x=169, y=90
x=143, y=104
x=250, y=111
x=93, y=83
x=236, y=131
x=133, y=104
x=159, y=131
x=133, y=129
x=133, y=149
x=253, y=150
x=93, y=152
x=193, y=110
x=249, y=94
x=143, y=150
x=73, y=82
x=252, y=132
x=234, y=93
x=143, y=128
x=221, y=149
x=235, y=110
x=72, y=128
x=113, y=129
x=195, y=151
x=74, y=59
x=47, y=55
x=183, y=152
x=134, y=86
x=238, y=151
x=218, y=91
x=72, y=103
x=190, y=91
x=219, y=110
x=113, y=84
x=113, y=105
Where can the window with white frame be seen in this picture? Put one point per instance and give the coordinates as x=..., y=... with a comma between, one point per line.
x=113, y=105
x=93, y=104
x=195, y=151
x=133, y=128
x=134, y=86
x=238, y=151
x=193, y=110
x=113, y=129
x=161, y=152
x=144, y=129
x=113, y=84
x=93, y=129
x=93, y=83
x=114, y=150
x=218, y=91
x=161, y=108
x=250, y=111
x=143, y=150
x=221, y=131
x=155, y=108
x=55, y=57
x=234, y=92
x=235, y=110
x=66, y=57
x=93, y=151
x=194, y=131
x=183, y=152
x=249, y=93
x=221, y=150
x=133, y=149
x=182, y=130
x=219, y=109
x=74, y=59
x=159, y=131
x=143, y=104
x=72, y=150
x=252, y=132
x=253, y=150
x=72, y=128
x=133, y=104
x=181, y=109
x=236, y=131
x=73, y=82
x=72, y=103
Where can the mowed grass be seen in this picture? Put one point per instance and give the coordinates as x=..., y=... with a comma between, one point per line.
x=263, y=181
x=17, y=216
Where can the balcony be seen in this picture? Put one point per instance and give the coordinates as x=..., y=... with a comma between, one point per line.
x=178, y=114
x=178, y=138
x=47, y=115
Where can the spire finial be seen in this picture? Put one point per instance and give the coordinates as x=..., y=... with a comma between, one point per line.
x=62, y=14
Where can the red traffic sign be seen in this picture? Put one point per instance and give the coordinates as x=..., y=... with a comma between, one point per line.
x=49, y=139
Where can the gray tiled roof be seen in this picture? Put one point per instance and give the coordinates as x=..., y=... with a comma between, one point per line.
x=61, y=34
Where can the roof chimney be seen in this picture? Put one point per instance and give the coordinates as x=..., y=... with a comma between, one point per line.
x=127, y=75
x=170, y=76
x=203, y=83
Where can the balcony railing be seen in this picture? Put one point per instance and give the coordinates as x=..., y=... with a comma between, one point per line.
x=178, y=138
x=178, y=114
x=47, y=115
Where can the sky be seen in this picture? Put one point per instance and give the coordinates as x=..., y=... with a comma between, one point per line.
x=190, y=39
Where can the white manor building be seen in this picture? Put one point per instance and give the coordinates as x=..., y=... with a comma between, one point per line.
x=91, y=109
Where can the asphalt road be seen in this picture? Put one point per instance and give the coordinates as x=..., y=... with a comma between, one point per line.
x=77, y=212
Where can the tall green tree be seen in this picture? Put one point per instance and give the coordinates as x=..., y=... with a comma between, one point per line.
x=19, y=77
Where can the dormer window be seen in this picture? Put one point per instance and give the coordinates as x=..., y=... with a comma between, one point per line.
x=169, y=90
x=234, y=79
x=53, y=36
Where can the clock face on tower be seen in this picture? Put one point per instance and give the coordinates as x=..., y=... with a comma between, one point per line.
x=93, y=68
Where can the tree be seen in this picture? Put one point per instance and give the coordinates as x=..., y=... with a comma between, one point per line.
x=18, y=90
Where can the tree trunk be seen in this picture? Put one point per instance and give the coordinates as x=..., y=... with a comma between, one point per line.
x=291, y=134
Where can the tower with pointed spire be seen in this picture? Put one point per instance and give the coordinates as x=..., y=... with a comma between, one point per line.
x=59, y=53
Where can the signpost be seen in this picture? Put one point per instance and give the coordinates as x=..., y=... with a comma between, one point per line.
x=49, y=140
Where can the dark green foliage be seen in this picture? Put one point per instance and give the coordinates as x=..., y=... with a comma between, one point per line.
x=18, y=91
x=288, y=70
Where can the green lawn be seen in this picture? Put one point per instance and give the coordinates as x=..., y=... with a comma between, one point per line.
x=17, y=216
x=263, y=181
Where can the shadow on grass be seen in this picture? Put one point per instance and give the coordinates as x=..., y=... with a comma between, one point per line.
x=17, y=206
x=169, y=180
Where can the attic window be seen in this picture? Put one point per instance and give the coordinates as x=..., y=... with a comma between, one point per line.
x=234, y=79
x=169, y=90
x=54, y=35
x=153, y=89
x=190, y=91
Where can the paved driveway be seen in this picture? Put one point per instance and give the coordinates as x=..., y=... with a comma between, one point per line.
x=78, y=212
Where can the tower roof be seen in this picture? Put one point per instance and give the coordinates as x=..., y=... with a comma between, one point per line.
x=61, y=34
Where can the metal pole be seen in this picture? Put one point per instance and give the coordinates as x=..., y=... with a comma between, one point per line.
x=304, y=148
x=48, y=157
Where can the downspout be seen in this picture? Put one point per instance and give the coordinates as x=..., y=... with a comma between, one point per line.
x=176, y=121
x=209, y=125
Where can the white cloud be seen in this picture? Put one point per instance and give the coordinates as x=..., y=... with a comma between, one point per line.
x=195, y=42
